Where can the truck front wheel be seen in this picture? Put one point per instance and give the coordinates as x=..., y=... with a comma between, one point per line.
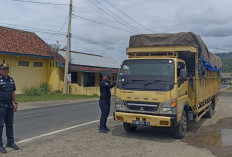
x=180, y=129
x=129, y=128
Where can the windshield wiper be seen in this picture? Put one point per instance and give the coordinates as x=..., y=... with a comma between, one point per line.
x=146, y=84
x=128, y=82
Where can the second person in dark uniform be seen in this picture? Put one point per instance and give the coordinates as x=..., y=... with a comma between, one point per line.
x=104, y=102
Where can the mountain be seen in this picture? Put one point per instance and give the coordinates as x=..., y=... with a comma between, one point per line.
x=224, y=55
x=226, y=60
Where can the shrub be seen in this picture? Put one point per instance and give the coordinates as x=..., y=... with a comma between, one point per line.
x=44, y=88
x=56, y=92
x=31, y=91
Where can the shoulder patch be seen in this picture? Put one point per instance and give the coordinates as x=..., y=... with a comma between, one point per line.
x=11, y=79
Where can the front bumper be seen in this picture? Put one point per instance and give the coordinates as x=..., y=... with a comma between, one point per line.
x=154, y=120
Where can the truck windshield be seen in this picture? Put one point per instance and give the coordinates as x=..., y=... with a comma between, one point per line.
x=146, y=74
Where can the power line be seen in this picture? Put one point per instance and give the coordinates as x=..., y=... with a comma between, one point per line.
x=61, y=28
x=25, y=21
x=102, y=24
x=108, y=14
x=95, y=43
x=61, y=34
x=88, y=41
x=92, y=42
x=128, y=25
x=101, y=17
x=27, y=28
x=38, y=2
x=91, y=13
x=44, y=32
x=127, y=15
x=60, y=41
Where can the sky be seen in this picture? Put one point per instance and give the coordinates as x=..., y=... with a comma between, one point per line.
x=104, y=27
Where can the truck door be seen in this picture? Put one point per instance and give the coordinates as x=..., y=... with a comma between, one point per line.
x=182, y=90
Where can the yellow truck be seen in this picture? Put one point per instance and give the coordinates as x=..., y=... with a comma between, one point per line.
x=168, y=80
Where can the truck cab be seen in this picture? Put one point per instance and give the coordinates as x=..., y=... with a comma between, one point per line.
x=149, y=89
x=167, y=81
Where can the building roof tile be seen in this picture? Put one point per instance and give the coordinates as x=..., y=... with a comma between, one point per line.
x=27, y=43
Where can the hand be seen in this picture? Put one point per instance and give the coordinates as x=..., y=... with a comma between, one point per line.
x=16, y=106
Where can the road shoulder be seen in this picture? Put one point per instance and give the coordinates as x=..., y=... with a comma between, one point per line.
x=32, y=105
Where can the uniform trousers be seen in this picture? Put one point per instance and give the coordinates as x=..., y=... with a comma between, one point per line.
x=7, y=117
x=105, y=110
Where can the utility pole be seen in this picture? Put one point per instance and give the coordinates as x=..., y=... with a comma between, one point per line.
x=67, y=50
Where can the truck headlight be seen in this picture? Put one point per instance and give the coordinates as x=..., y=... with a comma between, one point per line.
x=168, y=107
x=119, y=104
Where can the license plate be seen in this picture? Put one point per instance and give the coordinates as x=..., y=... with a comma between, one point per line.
x=140, y=123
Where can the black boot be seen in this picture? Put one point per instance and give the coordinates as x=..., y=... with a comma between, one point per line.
x=107, y=129
x=12, y=145
x=3, y=150
x=103, y=131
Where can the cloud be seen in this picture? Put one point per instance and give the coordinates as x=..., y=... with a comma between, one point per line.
x=209, y=18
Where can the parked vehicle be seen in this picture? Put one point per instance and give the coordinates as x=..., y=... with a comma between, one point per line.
x=168, y=80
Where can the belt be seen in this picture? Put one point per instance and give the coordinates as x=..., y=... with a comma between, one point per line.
x=6, y=103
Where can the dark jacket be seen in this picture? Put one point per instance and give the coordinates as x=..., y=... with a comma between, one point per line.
x=7, y=87
x=105, y=89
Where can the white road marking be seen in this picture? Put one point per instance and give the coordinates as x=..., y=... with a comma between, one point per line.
x=58, y=131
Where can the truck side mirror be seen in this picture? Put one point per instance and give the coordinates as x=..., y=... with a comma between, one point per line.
x=183, y=75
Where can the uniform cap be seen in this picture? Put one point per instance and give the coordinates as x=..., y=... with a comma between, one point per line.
x=4, y=66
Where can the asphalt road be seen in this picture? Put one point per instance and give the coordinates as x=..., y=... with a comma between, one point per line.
x=33, y=122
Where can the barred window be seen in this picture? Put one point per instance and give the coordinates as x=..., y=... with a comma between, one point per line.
x=38, y=64
x=23, y=63
x=74, y=77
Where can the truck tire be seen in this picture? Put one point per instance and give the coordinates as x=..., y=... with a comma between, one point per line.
x=180, y=129
x=209, y=113
x=129, y=128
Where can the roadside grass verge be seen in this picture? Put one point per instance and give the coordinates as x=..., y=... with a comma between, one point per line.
x=229, y=89
x=55, y=96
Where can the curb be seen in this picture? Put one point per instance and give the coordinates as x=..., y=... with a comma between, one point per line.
x=39, y=104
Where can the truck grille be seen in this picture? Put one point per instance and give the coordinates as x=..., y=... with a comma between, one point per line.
x=142, y=106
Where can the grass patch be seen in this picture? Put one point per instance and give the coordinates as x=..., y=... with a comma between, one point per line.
x=55, y=96
x=230, y=88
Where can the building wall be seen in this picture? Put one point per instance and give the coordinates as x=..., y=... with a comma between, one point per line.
x=77, y=88
x=28, y=76
x=54, y=76
x=80, y=90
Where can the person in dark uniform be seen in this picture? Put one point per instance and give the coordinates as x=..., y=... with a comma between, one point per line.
x=7, y=95
x=104, y=102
